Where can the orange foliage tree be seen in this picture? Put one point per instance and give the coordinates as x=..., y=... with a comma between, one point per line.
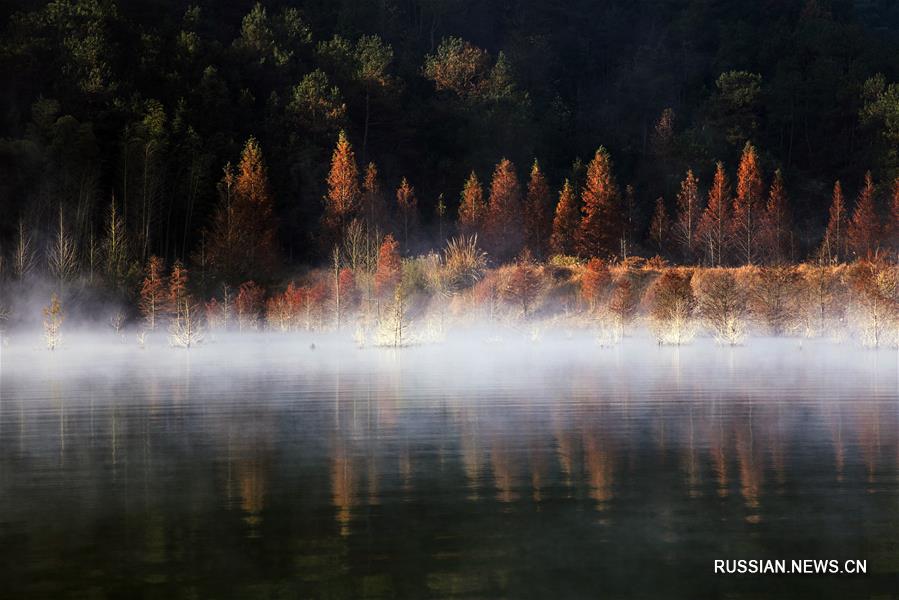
x=243, y=238
x=834, y=246
x=472, y=208
x=599, y=231
x=688, y=212
x=177, y=292
x=523, y=284
x=538, y=213
x=776, y=231
x=747, y=207
x=503, y=224
x=390, y=267
x=594, y=281
x=711, y=232
x=863, y=231
x=342, y=199
x=565, y=221
x=152, y=293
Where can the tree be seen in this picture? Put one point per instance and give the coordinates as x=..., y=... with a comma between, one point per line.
x=341, y=202
x=538, y=213
x=671, y=308
x=458, y=66
x=316, y=105
x=152, y=293
x=565, y=221
x=472, y=208
x=523, y=284
x=863, y=231
x=711, y=231
x=53, y=318
x=722, y=305
x=248, y=305
x=747, y=207
x=373, y=57
x=243, y=239
x=503, y=222
x=777, y=234
x=834, y=247
x=736, y=104
x=177, y=292
x=688, y=212
x=408, y=207
x=373, y=206
x=660, y=226
x=594, y=281
x=23, y=252
x=62, y=256
x=622, y=305
x=875, y=285
x=599, y=231
x=116, y=249
x=390, y=267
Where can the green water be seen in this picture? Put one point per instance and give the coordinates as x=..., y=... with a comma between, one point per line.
x=269, y=470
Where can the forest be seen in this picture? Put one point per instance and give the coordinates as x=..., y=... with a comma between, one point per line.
x=397, y=170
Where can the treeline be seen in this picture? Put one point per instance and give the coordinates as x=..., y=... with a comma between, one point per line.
x=145, y=101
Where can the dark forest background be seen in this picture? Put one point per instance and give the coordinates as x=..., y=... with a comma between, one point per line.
x=147, y=100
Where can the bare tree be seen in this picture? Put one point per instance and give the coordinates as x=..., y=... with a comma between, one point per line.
x=62, y=256
x=23, y=254
x=722, y=305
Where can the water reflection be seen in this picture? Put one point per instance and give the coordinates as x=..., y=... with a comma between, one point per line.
x=390, y=477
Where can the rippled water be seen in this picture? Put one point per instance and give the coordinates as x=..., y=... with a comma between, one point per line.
x=270, y=470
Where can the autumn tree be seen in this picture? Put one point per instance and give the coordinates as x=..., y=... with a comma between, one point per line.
x=407, y=204
x=472, y=208
x=153, y=293
x=594, y=281
x=722, y=303
x=177, y=290
x=660, y=226
x=342, y=199
x=863, y=231
x=622, y=305
x=773, y=297
x=875, y=286
x=834, y=246
x=712, y=229
x=599, y=231
x=565, y=221
x=538, y=213
x=504, y=219
x=243, y=240
x=671, y=307
x=688, y=213
x=390, y=267
x=777, y=233
x=522, y=287
x=748, y=208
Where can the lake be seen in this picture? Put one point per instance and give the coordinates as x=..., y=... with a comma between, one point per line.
x=263, y=468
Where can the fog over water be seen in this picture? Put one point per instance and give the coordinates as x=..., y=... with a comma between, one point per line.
x=261, y=466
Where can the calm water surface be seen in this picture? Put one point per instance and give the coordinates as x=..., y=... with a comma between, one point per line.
x=269, y=470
